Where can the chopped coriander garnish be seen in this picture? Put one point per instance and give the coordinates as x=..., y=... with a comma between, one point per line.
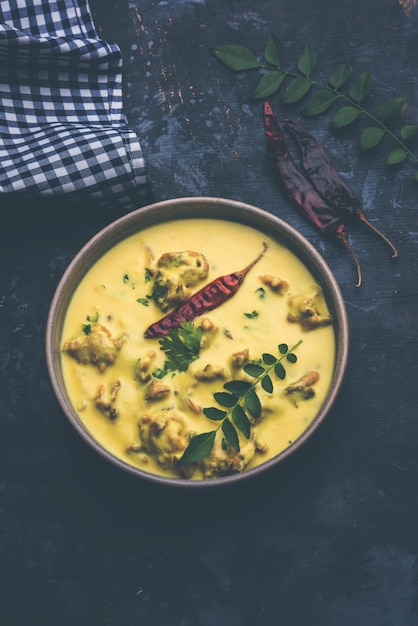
x=251, y=316
x=148, y=275
x=182, y=346
x=159, y=292
x=159, y=373
x=91, y=319
x=128, y=281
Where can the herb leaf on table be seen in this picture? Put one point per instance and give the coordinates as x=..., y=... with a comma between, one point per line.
x=298, y=84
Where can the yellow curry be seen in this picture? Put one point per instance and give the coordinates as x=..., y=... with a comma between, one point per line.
x=137, y=395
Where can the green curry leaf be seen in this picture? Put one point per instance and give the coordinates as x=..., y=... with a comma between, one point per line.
x=280, y=371
x=269, y=84
x=296, y=89
x=268, y=359
x=199, y=448
x=237, y=387
x=252, y=403
x=361, y=88
x=237, y=58
x=345, y=116
x=273, y=50
x=243, y=404
x=267, y=383
x=320, y=102
x=391, y=107
x=340, y=76
x=307, y=62
x=225, y=399
x=230, y=434
x=397, y=156
x=409, y=131
x=371, y=137
x=297, y=82
x=254, y=369
x=213, y=413
x=241, y=420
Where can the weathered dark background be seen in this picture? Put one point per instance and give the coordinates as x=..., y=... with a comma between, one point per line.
x=329, y=539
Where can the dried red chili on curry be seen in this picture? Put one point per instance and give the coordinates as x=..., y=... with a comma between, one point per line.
x=206, y=299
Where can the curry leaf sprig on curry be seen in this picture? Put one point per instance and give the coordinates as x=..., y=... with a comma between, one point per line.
x=242, y=404
x=300, y=82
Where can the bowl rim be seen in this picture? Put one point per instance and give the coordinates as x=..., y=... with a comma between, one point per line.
x=192, y=208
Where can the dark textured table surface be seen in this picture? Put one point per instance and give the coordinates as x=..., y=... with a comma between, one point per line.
x=328, y=539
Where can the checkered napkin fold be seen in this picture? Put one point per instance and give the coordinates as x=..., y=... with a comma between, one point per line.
x=63, y=133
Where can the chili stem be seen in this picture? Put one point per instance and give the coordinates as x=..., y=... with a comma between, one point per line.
x=380, y=234
x=344, y=240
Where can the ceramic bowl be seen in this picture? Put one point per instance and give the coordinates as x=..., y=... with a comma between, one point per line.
x=183, y=208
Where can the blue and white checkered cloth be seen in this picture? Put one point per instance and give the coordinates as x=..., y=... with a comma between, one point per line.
x=62, y=127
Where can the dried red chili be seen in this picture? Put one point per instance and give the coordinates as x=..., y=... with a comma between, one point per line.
x=328, y=181
x=299, y=188
x=206, y=299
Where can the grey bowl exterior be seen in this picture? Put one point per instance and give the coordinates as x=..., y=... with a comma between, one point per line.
x=186, y=208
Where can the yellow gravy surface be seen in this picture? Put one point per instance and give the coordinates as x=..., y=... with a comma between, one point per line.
x=112, y=400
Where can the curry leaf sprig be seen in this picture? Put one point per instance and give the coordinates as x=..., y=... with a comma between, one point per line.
x=242, y=404
x=299, y=82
